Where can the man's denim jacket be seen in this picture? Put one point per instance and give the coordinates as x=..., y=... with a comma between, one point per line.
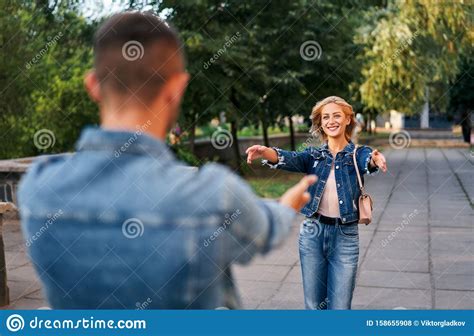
x=123, y=224
x=318, y=161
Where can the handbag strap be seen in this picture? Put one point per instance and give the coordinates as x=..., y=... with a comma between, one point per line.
x=361, y=186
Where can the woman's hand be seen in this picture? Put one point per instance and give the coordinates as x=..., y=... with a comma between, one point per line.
x=379, y=160
x=258, y=151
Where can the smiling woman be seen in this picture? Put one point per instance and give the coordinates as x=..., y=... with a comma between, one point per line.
x=329, y=237
x=341, y=111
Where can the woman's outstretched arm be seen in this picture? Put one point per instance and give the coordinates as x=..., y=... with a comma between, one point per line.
x=293, y=161
x=370, y=161
x=378, y=160
x=257, y=151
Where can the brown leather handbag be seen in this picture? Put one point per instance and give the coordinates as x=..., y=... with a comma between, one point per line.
x=366, y=204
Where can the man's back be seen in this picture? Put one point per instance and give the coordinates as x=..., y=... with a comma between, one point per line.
x=122, y=222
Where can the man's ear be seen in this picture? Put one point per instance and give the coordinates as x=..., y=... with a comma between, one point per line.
x=175, y=87
x=92, y=86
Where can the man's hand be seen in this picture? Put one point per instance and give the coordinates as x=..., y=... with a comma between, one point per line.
x=297, y=196
x=379, y=160
x=257, y=152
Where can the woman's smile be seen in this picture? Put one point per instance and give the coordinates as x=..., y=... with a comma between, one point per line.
x=332, y=128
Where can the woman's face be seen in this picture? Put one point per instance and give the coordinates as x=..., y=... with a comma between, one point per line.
x=333, y=120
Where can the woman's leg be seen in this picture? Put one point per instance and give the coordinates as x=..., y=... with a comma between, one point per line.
x=313, y=264
x=343, y=258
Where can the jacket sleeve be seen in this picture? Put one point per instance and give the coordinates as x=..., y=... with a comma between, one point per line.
x=298, y=162
x=364, y=154
x=260, y=226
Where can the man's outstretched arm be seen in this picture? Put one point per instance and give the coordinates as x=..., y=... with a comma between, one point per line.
x=262, y=224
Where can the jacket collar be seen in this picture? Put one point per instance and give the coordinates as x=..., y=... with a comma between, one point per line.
x=122, y=142
x=348, y=149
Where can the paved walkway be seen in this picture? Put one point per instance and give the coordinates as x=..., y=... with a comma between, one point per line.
x=418, y=253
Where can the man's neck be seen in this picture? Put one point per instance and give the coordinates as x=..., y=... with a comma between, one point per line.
x=337, y=144
x=133, y=121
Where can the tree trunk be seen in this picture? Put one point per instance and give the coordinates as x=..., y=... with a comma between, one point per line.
x=234, y=128
x=369, y=127
x=238, y=159
x=192, y=135
x=266, y=142
x=366, y=122
x=374, y=118
x=292, y=134
x=466, y=124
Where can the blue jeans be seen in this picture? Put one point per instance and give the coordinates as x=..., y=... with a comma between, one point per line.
x=329, y=255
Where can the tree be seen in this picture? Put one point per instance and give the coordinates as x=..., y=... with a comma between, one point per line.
x=45, y=57
x=461, y=95
x=409, y=46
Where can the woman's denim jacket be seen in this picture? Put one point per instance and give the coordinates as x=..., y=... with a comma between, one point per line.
x=318, y=161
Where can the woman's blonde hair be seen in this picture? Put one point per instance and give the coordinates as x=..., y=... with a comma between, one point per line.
x=317, y=130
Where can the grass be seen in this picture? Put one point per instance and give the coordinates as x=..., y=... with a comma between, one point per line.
x=273, y=187
x=253, y=131
x=206, y=131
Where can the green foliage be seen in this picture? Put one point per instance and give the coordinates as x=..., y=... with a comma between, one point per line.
x=207, y=130
x=244, y=59
x=183, y=154
x=261, y=76
x=253, y=131
x=409, y=46
x=46, y=58
x=303, y=128
x=462, y=91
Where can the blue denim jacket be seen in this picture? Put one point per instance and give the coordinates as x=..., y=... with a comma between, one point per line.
x=318, y=161
x=123, y=224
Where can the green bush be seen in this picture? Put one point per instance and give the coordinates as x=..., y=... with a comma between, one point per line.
x=303, y=128
x=184, y=154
